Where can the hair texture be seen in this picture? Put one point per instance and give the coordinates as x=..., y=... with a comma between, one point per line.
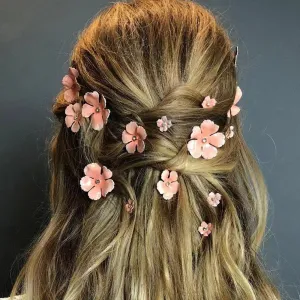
x=151, y=58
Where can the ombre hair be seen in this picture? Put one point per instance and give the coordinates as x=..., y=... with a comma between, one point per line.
x=152, y=58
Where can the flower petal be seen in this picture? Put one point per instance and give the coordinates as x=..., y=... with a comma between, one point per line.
x=75, y=127
x=69, y=111
x=165, y=175
x=107, y=173
x=67, y=81
x=131, y=127
x=105, y=115
x=87, y=183
x=87, y=110
x=161, y=187
x=107, y=187
x=95, y=193
x=217, y=139
x=77, y=108
x=93, y=170
x=73, y=72
x=209, y=152
x=141, y=132
x=126, y=137
x=159, y=122
x=69, y=120
x=238, y=95
x=140, y=146
x=208, y=127
x=173, y=187
x=131, y=147
x=168, y=196
x=196, y=133
x=195, y=148
x=92, y=98
x=97, y=121
x=173, y=176
x=234, y=110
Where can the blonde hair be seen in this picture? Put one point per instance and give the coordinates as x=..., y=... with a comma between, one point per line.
x=152, y=58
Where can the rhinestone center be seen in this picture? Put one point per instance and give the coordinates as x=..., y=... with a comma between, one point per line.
x=204, y=140
x=97, y=181
x=97, y=109
x=168, y=183
x=134, y=138
x=75, y=117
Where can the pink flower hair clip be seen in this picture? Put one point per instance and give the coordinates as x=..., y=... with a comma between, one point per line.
x=164, y=124
x=205, y=229
x=96, y=108
x=71, y=86
x=134, y=137
x=234, y=110
x=73, y=117
x=214, y=199
x=209, y=102
x=169, y=185
x=129, y=206
x=205, y=139
x=97, y=182
x=230, y=132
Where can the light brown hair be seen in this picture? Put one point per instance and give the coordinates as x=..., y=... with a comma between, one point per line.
x=152, y=58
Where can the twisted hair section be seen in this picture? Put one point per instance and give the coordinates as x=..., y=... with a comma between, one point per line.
x=152, y=58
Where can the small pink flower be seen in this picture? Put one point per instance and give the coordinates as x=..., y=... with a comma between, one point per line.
x=209, y=102
x=205, y=139
x=234, y=108
x=214, y=199
x=129, y=206
x=169, y=185
x=95, y=108
x=97, y=181
x=134, y=137
x=71, y=85
x=164, y=124
x=73, y=117
x=205, y=229
x=230, y=132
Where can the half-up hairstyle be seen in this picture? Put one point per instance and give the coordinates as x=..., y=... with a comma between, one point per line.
x=149, y=59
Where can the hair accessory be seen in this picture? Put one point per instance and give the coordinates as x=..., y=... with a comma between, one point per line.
x=205, y=139
x=97, y=181
x=95, y=108
x=205, y=229
x=236, y=54
x=71, y=85
x=209, y=102
x=129, y=206
x=234, y=108
x=230, y=132
x=134, y=137
x=214, y=199
x=169, y=185
x=73, y=117
x=164, y=124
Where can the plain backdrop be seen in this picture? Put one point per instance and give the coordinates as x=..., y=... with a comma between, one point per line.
x=36, y=37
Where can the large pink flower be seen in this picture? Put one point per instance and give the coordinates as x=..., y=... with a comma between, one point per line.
x=205, y=139
x=169, y=185
x=97, y=181
x=73, y=117
x=71, y=85
x=205, y=229
x=234, y=108
x=95, y=108
x=134, y=137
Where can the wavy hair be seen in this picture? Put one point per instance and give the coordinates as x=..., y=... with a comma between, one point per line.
x=152, y=58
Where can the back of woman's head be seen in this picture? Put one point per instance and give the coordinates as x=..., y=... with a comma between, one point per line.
x=151, y=59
